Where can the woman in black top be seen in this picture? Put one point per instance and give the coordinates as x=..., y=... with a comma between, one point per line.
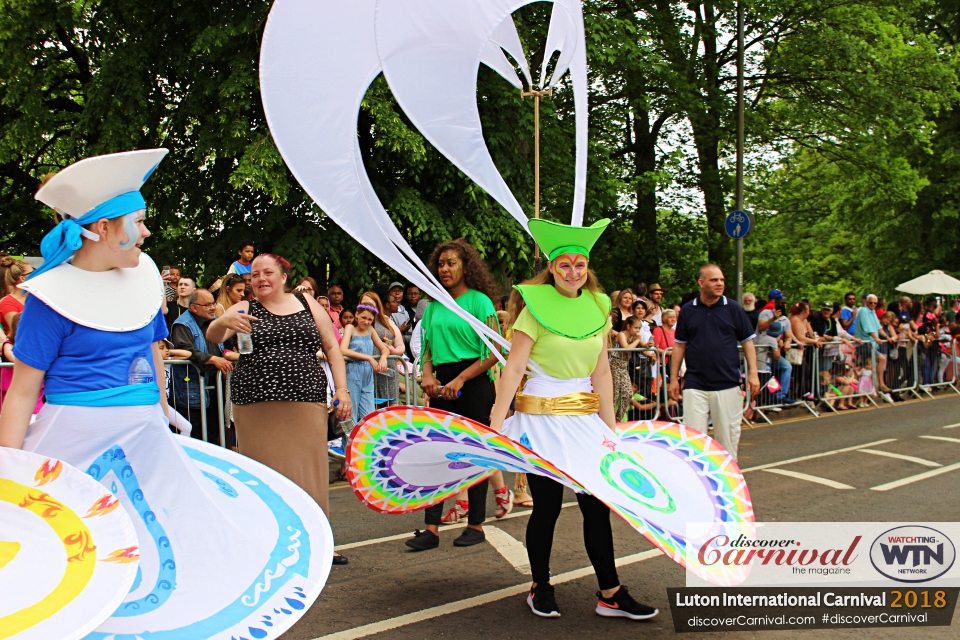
x=279, y=391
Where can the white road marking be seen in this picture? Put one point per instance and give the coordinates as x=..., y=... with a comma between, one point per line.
x=510, y=548
x=944, y=438
x=447, y=527
x=805, y=476
x=476, y=601
x=952, y=426
x=916, y=478
x=900, y=456
x=817, y=455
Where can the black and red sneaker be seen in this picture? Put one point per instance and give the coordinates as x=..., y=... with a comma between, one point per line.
x=542, y=601
x=622, y=605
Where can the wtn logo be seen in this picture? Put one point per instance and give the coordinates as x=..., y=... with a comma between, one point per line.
x=899, y=553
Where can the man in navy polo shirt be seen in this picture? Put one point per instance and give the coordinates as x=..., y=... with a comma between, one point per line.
x=708, y=330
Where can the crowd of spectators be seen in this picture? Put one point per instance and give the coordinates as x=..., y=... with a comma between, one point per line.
x=860, y=338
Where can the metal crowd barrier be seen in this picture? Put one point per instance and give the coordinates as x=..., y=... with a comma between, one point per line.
x=673, y=412
x=933, y=364
x=902, y=373
x=206, y=389
x=644, y=370
x=782, y=384
x=386, y=399
x=847, y=369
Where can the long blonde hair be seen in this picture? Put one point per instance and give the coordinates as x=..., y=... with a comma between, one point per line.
x=516, y=303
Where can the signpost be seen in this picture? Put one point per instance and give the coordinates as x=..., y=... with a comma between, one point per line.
x=741, y=231
x=739, y=224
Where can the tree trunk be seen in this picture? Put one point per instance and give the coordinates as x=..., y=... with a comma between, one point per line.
x=645, y=219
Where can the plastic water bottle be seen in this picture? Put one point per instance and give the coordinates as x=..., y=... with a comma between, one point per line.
x=244, y=340
x=347, y=424
x=140, y=371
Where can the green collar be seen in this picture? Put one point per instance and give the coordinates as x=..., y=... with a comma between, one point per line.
x=575, y=318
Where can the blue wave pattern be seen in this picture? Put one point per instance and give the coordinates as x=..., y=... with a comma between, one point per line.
x=114, y=459
x=258, y=592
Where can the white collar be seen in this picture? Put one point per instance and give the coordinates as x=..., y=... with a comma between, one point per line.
x=116, y=300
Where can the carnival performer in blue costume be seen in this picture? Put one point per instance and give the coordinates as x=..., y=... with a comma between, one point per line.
x=227, y=547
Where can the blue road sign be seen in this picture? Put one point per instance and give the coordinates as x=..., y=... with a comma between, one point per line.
x=739, y=224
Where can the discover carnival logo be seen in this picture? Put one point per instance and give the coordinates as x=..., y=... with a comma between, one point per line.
x=912, y=554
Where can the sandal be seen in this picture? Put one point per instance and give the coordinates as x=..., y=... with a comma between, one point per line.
x=504, y=499
x=457, y=512
x=522, y=499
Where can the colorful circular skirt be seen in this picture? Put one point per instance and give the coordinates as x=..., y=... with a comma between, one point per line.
x=68, y=551
x=657, y=476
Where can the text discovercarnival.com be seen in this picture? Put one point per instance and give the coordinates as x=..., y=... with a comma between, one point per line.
x=817, y=575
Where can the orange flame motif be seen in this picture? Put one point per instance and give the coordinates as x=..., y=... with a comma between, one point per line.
x=103, y=506
x=48, y=472
x=123, y=556
x=81, y=544
x=36, y=500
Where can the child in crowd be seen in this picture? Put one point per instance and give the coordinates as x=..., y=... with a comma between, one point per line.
x=642, y=408
x=865, y=380
x=242, y=266
x=357, y=343
x=842, y=385
x=167, y=352
x=347, y=317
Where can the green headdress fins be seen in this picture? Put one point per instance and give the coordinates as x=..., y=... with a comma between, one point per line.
x=556, y=239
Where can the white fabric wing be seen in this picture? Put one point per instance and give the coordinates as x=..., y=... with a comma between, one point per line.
x=312, y=106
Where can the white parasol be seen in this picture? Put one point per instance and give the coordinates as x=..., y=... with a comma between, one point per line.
x=932, y=283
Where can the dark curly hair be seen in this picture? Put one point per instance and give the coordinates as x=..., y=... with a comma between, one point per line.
x=476, y=274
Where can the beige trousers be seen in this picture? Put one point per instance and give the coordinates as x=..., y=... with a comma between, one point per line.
x=726, y=409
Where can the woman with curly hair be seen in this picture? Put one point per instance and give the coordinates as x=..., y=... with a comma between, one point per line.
x=456, y=369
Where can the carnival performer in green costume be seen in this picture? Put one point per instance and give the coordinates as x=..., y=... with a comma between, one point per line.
x=561, y=321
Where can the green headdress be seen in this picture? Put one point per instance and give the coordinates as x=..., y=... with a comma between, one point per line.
x=557, y=239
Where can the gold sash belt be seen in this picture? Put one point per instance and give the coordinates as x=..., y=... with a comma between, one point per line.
x=580, y=403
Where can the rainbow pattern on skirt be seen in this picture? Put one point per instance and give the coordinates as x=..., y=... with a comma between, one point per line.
x=403, y=459
x=384, y=435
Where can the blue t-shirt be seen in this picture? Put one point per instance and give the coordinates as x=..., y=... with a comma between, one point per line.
x=712, y=334
x=239, y=268
x=78, y=358
x=845, y=315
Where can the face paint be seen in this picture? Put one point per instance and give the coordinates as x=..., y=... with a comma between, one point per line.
x=130, y=228
x=571, y=271
x=571, y=266
x=452, y=259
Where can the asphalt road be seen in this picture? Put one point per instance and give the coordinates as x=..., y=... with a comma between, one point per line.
x=387, y=592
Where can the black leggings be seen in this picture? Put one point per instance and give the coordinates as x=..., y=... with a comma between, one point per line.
x=475, y=402
x=597, y=534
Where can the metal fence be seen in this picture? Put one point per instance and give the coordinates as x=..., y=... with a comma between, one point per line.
x=672, y=410
x=851, y=375
x=782, y=383
x=833, y=374
x=642, y=367
x=902, y=373
x=934, y=361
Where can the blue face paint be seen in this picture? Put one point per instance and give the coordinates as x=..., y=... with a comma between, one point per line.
x=130, y=228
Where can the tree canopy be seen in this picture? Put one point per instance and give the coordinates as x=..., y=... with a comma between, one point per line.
x=852, y=142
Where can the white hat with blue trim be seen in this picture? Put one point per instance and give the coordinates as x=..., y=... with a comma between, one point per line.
x=89, y=183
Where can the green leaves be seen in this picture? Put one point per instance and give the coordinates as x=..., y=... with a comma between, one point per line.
x=853, y=139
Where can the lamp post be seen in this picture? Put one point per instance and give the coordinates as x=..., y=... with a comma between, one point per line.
x=739, y=207
x=536, y=162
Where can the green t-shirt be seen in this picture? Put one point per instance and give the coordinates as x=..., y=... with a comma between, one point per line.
x=559, y=356
x=451, y=338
